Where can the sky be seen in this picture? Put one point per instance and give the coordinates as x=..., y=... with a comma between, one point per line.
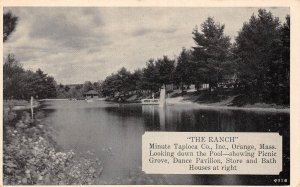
x=75, y=45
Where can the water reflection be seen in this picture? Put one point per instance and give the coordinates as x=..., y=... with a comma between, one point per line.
x=102, y=126
x=153, y=112
x=184, y=119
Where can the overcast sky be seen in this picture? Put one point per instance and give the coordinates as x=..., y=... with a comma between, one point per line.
x=78, y=44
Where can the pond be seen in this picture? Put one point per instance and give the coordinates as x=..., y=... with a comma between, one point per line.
x=113, y=132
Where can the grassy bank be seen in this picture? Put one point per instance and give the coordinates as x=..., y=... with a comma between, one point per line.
x=230, y=101
x=208, y=100
x=31, y=156
x=13, y=104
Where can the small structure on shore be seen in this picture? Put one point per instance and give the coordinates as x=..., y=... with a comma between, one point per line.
x=92, y=94
x=151, y=101
x=228, y=81
x=161, y=101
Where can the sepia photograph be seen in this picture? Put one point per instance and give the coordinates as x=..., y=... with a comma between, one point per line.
x=82, y=85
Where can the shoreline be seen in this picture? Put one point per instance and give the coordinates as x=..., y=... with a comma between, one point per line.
x=34, y=142
x=224, y=105
x=215, y=107
x=17, y=105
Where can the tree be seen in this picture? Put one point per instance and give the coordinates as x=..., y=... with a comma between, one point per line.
x=284, y=69
x=258, y=49
x=107, y=88
x=285, y=37
x=12, y=77
x=185, y=69
x=122, y=82
x=11, y=66
x=43, y=86
x=96, y=86
x=67, y=88
x=136, y=80
x=9, y=24
x=151, y=76
x=17, y=82
x=117, y=83
x=21, y=84
x=166, y=69
x=211, y=50
x=87, y=86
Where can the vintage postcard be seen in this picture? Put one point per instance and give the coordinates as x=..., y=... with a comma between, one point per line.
x=149, y=93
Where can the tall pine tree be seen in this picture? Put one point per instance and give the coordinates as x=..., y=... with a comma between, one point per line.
x=259, y=51
x=211, y=50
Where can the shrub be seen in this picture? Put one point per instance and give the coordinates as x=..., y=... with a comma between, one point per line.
x=30, y=157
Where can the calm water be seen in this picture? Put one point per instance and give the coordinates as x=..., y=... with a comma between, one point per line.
x=114, y=132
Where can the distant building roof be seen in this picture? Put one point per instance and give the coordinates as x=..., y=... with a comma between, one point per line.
x=91, y=92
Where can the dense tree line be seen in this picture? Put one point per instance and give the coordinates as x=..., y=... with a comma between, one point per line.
x=262, y=54
x=260, y=57
x=19, y=83
x=77, y=90
x=156, y=73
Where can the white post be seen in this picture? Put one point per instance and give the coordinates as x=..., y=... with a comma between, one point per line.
x=162, y=97
x=31, y=106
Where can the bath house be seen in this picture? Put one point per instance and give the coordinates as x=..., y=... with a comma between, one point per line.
x=92, y=94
